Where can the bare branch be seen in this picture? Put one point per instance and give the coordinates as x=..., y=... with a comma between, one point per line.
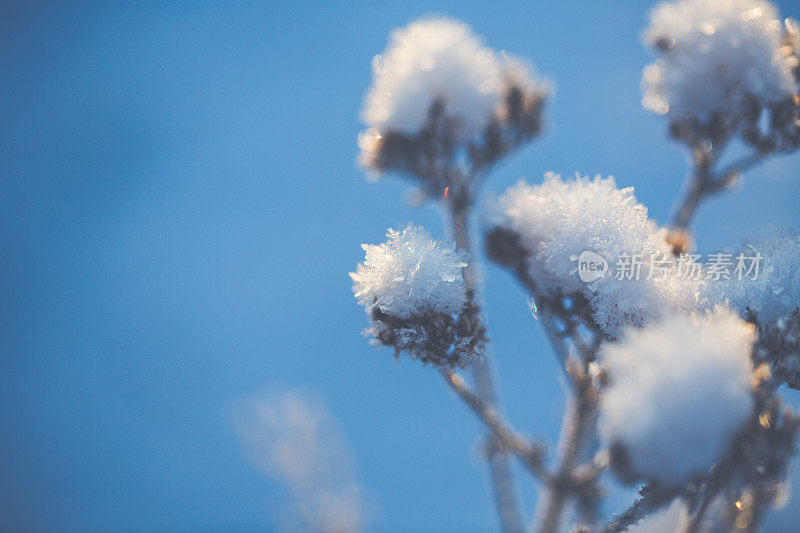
x=483, y=372
x=561, y=322
x=577, y=423
x=729, y=174
x=704, y=183
x=531, y=455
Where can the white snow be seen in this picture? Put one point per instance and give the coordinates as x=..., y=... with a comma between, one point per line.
x=411, y=273
x=775, y=291
x=680, y=390
x=561, y=219
x=719, y=51
x=430, y=59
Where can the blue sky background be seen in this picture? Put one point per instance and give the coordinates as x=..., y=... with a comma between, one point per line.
x=179, y=208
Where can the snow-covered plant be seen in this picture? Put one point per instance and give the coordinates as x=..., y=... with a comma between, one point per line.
x=726, y=69
x=673, y=371
x=440, y=96
x=430, y=60
x=714, y=56
x=769, y=300
x=723, y=67
x=410, y=274
x=412, y=288
x=775, y=292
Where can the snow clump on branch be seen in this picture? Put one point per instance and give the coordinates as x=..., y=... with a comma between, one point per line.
x=680, y=390
x=774, y=291
x=413, y=289
x=714, y=55
x=430, y=60
x=560, y=220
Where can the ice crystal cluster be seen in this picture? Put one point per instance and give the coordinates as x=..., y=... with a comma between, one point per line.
x=410, y=274
x=775, y=291
x=714, y=54
x=413, y=289
x=770, y=301
x=559, y=220
x=429, y=60
x=702, y=365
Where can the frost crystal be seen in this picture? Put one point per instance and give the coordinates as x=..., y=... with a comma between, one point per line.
x=410, y=274
x=413, y=289
x=775, y=291
x=559, y=220
x=679, y=391
x=713, y=55
x=433, y=60
x=669, y=520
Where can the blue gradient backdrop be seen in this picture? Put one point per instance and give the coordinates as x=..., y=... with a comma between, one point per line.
x=179, y=208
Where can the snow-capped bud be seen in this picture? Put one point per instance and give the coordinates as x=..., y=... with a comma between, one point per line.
x=429, y=60
x=438, y=91
x=523, y=97
x=561, y=224
x=413, y=289
x=721, y=52
x=680, y=391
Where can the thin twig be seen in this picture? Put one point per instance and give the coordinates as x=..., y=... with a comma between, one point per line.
x=704, y=182
x=696, y=520
x=531, y=455
x=577, y=422
x=483, y=372
x=728, y=175
x=548, y=323
x=697, y=188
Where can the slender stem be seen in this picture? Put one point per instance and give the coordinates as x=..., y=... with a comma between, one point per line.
x=697, y=518
x=704, y=183
x=729, y=174
x=531, y=455
x=548, y=323
x=697, y=188
x=577, y=421
x=580, y=416
x=505, y=490
x=688, y=207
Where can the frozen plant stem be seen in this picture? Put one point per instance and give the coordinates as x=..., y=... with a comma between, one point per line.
x=549, y=323
x=704, y=182
x=529, y=454
x=505, y=490
x=577, y=423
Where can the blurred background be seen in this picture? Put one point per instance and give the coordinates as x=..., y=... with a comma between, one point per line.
x=180, y=207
